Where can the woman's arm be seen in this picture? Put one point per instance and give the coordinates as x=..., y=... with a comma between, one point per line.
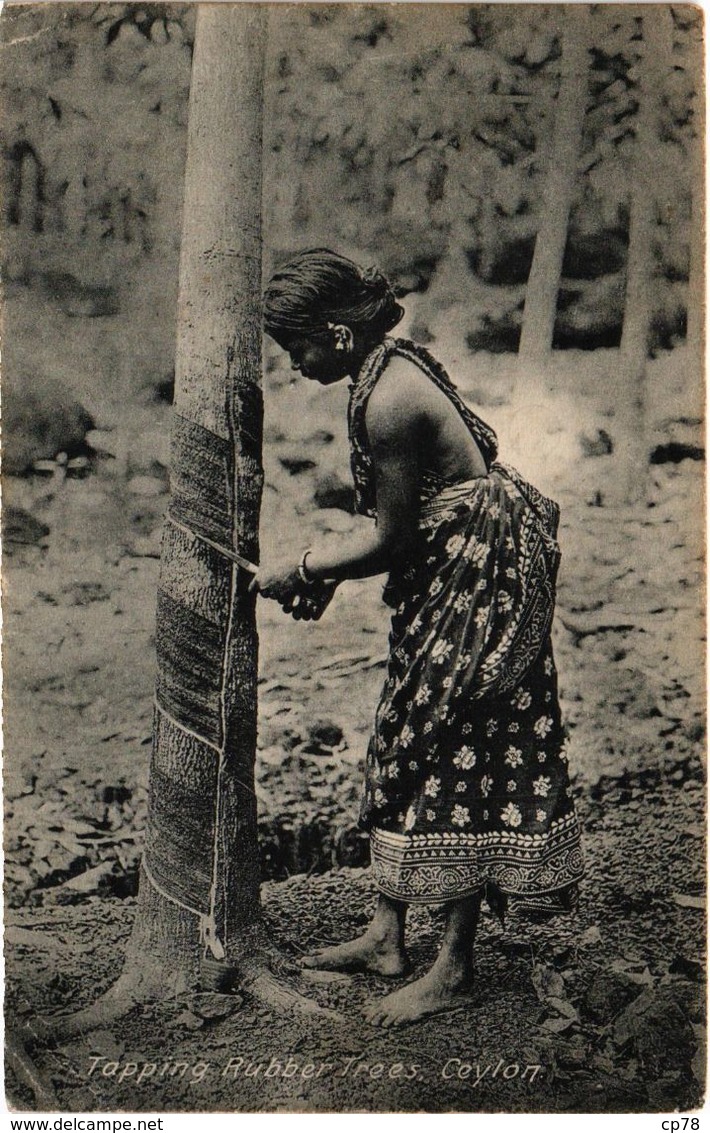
x=393, y=422
x=393, y=428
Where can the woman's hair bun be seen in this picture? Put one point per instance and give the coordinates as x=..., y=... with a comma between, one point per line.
x=373, y=278
x=318, y=287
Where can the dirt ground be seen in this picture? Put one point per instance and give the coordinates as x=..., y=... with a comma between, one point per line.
x=609, y=1002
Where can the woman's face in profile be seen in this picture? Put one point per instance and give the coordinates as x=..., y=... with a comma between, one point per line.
x=316, y=357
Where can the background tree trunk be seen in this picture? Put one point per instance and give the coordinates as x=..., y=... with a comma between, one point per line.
x=696, y=284
x=544, y=279
x=639, y=301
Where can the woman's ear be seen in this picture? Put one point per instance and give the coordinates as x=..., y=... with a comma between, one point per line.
x=343, y=337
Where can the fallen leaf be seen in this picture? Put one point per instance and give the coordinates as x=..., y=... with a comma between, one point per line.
x=67, y=842
x=694, y=830
x=688, y=901
x=103, y=1042
x=557, y=1025
x=318, y=976
x=28, y=938
x=563, y=1007
x=603, y=1063
x=74, y=826
x=629, y=1072
x=547, y=982
x=212, y=1005
x=189, y=1020
x=629, y=968
x=591, y=935
x=88, y=882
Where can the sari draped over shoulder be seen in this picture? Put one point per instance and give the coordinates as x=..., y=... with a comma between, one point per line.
x=466, y=784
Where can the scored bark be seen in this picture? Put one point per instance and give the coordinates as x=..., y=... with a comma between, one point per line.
x=200, y=874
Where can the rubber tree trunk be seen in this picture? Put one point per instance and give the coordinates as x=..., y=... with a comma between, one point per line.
x=544, y=280
x=199, y=883
x=638, y=306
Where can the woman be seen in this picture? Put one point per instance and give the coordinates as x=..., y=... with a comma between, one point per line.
x=466, y=792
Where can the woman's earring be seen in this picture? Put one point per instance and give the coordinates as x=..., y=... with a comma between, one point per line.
x=343, y=338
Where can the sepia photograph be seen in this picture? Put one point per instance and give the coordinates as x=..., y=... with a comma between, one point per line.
x=353, y=585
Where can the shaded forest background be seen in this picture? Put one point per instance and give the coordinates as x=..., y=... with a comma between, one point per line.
x=423, y=139
x=413, y=136
x=418, y=137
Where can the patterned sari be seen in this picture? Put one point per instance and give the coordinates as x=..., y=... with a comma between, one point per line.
x=466, y=787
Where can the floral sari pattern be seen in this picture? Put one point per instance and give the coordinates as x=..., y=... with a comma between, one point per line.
x=466, y=778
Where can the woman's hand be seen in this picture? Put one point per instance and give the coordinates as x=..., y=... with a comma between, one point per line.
x=312, y=602
x=280, y=582
x=283, y=584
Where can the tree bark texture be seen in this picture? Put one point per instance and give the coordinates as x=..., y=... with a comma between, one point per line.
x=638, y=306
x=697, y=304
x=199, y=885
x=544, y=280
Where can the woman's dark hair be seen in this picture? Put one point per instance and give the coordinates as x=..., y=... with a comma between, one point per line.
x=319, y=287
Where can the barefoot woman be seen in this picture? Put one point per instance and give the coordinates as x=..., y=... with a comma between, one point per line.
x=466, y=793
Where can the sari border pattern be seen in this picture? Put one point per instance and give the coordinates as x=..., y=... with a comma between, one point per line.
x=444, y=866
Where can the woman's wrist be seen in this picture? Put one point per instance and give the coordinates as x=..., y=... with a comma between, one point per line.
x=304, y=573
x=312, y=572
x=319, y=566
x=366, y=557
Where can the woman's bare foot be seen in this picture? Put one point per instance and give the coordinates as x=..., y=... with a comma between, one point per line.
x=439, y=990
x=371, y=952
x=447, y=983
x=380, y=949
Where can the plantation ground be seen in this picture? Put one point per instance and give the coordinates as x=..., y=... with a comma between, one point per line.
x=609, y=1003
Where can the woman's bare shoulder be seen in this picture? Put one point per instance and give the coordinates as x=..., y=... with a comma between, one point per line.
x=400, y=391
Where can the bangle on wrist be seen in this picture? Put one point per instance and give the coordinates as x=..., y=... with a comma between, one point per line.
x=302, y=570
